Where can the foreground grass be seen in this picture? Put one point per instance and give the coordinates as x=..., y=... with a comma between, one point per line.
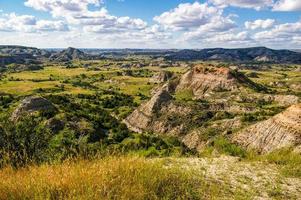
x=130, y=177
x=109, y=178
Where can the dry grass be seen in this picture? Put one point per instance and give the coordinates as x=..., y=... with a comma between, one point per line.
x=138, y=178
x=110, y=178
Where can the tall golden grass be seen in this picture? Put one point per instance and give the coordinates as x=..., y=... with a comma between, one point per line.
x=108, y=178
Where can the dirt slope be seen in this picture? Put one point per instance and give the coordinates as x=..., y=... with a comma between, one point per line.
x=282, y=130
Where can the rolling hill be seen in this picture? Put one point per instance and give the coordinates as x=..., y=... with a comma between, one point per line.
x=254, y=54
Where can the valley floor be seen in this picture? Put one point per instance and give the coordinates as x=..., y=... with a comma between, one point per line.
x=221, y=177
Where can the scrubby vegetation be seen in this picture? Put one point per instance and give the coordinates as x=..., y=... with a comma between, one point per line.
x=83, y=150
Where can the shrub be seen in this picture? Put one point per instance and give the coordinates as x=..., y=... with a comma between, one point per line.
x=24, y=142
x=222, y=145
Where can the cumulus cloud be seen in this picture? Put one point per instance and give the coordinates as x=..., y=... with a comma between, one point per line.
x=46, y=25
x=99, y=24
x=28, y=23
x=287, y=5
x=255, y=4
x=286, y=34
x=103, y=22
x=76, y=12
x=210, y=29
x=286, y=30
x=236, y=38
x=59, y=8
x=260, y=24
x=187, y=16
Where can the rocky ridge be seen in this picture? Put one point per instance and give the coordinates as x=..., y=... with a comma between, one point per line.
x=162, y=76
x=203, y=80
x=163, y=114
x=141, y=118
x=282, y=130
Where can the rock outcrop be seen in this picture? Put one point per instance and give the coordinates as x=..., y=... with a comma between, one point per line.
x=282, y=130
x=216, y=89
x=141, y=118
x=162, y=76
x=202, y=80
x=32, y=104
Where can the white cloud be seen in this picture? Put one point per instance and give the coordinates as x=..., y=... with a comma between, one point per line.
x=46, y=25
x=28, y=23
x=187, y=16
x=241, y=37
x=297, y=40
x=102, y=21
x=76, y=12
x=59, y=8
x=286, y=30
x=98, y=24
x=208, y=30
x=260, y=24
x=287, y=5
x=255, y=4
x=221, y=39
x=285, y=35
x=152, y=36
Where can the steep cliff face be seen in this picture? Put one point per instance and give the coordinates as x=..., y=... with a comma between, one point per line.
x=282, y=130
x=142, y=117
x=205, y=80
x=202, y=80
x=163, y=76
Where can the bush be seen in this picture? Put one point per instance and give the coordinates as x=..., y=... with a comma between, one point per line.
x=151, y=145
x=24, y=142
x=223, y=146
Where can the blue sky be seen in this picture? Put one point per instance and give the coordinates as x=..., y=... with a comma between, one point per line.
x=151, y=23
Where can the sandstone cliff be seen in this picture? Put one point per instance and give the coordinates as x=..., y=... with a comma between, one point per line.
x=202, y=80
x=141, y=118
x=282, y=130
x=162, y=76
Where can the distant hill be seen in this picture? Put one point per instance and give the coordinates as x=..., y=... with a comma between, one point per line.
x=255, y=54
x=296, y=50
x=21, y=50
x=69, y=54
x=240, y=55
x=10, y=54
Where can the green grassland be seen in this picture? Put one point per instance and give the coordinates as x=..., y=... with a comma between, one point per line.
x=53, y=78
x=278, y=80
